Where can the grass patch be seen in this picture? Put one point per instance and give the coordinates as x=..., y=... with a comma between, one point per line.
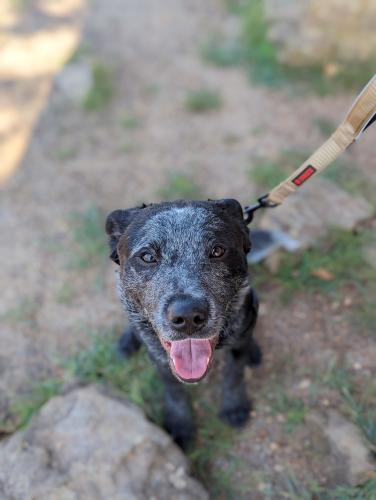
x=202, y=100
x=221, y=52
x=340, y=255
x=326, y=127
x=136, y=377
x=89, y=238
x=340, y=380
x=28, y=404
x=296, y=490
x=293, y=409
x=130, y=121
x=366, y=491
x=101, y=91
x=66, y=294
x=180, y=187
x=25, y=312
x=213, y=444
x=65, y=154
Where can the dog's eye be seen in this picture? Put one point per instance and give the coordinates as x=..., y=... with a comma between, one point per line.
x=148, y=258
x=217, y=252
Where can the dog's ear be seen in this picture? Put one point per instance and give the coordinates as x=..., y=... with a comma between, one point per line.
x=233, y=208
x=116, y=224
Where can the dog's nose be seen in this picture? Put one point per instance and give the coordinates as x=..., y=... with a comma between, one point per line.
x=188, y=313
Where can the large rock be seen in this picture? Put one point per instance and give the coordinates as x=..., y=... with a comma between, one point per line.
x=347, y=445
x=313, y=31
x=86, y=445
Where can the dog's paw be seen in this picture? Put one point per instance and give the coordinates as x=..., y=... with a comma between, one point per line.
x=128, y=343
x=254, y=354
x=183, y=433
x=236, y=416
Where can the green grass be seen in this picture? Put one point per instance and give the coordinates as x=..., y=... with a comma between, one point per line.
x=340, y=254
x=179, y=187
x=28, y=404
x=325, y=126
x=254, y=51
x=296, y=490
x=293, y=409
x=89, y=238
x=221, y=52
x=340, y=379
x=24, y=312
x=102, y=89
x=130, y=121
x=366, y=491
x=214, y=442
x=267, y=173
x=203, y=100
x=66, y=294
x=136, y=377
x=65, y=153
x=336, y=262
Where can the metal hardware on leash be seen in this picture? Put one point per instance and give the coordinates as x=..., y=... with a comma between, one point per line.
x=262, y=202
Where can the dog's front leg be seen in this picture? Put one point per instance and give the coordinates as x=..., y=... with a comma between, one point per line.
x=235, y=403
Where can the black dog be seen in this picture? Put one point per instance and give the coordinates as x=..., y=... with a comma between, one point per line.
x=183, y=281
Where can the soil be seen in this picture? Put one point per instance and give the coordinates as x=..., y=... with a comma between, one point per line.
x=76, y=160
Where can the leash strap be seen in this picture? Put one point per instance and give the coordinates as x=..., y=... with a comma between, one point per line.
x=361, y=114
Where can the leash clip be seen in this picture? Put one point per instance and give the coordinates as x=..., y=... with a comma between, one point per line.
x=262, y=202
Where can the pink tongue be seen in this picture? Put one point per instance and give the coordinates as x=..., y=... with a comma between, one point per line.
x=191, y=357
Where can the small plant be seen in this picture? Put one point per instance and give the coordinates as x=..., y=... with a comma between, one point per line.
x=179, y=187
x=340, y=255
x=65, y=153
x=213, y=442
x=28, y=404
x=267, y=173
x=365, y=491
x=340, y=379
x=325, y=126
x=25, y=312
x=293, y=409
x=130, y=121
x=101, y=91
x=202, y=100
x=89, y=238
x=66, y=294
x=221, y=52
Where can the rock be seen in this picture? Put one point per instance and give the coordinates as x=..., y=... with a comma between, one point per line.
x=311, y=31
x=75, y=81
x=347, y=447
x=87, y=445
x=369, y=254
x=312, y=211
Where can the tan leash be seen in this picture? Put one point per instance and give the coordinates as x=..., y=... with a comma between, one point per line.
x=361, y=114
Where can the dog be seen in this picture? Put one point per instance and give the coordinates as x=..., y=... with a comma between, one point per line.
x=183, y=281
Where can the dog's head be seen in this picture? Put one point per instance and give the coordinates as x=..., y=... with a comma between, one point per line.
x=182, y=268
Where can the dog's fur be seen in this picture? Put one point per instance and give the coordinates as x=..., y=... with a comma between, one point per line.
x=180, y=236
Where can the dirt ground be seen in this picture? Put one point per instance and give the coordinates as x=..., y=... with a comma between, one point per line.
x=78, y=161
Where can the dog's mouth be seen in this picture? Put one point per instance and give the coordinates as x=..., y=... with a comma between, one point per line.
x=190, y=359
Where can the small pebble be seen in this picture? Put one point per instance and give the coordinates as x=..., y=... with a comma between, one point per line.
x=304, y=384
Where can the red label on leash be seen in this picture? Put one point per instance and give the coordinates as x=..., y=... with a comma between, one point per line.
x=304, y=175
